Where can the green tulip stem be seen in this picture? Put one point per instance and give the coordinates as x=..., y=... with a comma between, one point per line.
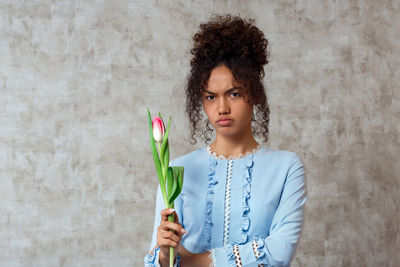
x=164, y=179
x=171, y=217
x=171, y=249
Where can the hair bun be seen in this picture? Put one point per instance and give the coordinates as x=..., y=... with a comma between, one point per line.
x=227, y=38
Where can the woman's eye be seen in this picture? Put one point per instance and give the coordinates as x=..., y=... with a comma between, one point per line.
x=235, y=94
x=210, y=97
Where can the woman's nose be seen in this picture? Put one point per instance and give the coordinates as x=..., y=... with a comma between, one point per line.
x=223, y=106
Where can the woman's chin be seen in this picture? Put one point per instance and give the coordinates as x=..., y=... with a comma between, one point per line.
x=227, y=133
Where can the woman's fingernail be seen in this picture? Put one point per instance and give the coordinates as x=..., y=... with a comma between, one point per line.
x=183, y=231
x=171, y=210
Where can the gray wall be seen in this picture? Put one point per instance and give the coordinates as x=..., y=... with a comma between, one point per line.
x=77, y=184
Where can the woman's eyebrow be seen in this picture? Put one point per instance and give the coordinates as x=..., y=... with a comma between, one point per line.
x=233, y=89
x=227, y=91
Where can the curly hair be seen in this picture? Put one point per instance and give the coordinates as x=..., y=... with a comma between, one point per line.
x=240, y=46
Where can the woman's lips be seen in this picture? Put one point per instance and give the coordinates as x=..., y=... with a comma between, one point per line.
x=226, y=122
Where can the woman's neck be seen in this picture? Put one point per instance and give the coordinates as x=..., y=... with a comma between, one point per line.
x=230, y=147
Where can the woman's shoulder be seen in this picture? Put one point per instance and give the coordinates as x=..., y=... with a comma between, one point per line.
x=190, y=158
x=277, y=155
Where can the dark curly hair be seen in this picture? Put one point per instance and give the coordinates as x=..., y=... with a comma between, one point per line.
x=240, y=46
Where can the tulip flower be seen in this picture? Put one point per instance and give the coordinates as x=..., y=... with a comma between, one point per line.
x=158, y=130
x=170, y=178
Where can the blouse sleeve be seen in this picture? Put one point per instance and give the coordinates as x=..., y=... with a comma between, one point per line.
x=278, y=248
x=152, y=258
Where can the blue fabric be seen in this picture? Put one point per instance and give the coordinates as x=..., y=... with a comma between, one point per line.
x=268, y=195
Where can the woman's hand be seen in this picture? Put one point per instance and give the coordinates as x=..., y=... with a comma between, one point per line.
x=166, y=238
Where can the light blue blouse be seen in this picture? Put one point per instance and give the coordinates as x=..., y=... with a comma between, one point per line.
x=253, y=204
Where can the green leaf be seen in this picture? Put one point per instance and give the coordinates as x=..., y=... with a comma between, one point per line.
x=165, y=140
x=154, y=151
x=178, y=172
x=164, y=153
x=170, y=182
x=173, y=190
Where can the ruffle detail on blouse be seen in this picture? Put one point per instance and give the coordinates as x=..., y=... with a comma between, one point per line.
x=212, y=258
x=231, y=256
x=245, y=198
x=209, y=202
x=261, y=244
x=150, y=258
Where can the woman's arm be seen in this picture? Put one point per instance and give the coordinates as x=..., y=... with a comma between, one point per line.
x=278, y=248
x=193, y=259
x=155, y=258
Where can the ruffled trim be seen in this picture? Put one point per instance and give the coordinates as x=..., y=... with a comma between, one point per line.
x=213, y=258
x=245, y=197
x=241, y=155
x=231, y=256
x=260, y=243
x=209, y=202
x=151, y=257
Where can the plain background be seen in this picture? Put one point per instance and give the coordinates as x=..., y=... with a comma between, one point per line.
x=77, y=181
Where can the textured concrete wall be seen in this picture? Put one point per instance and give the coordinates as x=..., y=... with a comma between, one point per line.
x=77, y=184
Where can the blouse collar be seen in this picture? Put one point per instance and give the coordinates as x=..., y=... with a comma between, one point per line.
x=241, y=155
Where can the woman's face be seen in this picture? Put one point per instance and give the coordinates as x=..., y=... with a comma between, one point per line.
x=225, y=104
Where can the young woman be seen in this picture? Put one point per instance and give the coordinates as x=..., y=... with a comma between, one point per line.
x=241, y=204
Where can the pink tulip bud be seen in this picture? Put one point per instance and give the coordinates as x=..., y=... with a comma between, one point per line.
x=158, y=129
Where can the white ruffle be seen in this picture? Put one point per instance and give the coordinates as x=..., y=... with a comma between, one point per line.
x=241, y=155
